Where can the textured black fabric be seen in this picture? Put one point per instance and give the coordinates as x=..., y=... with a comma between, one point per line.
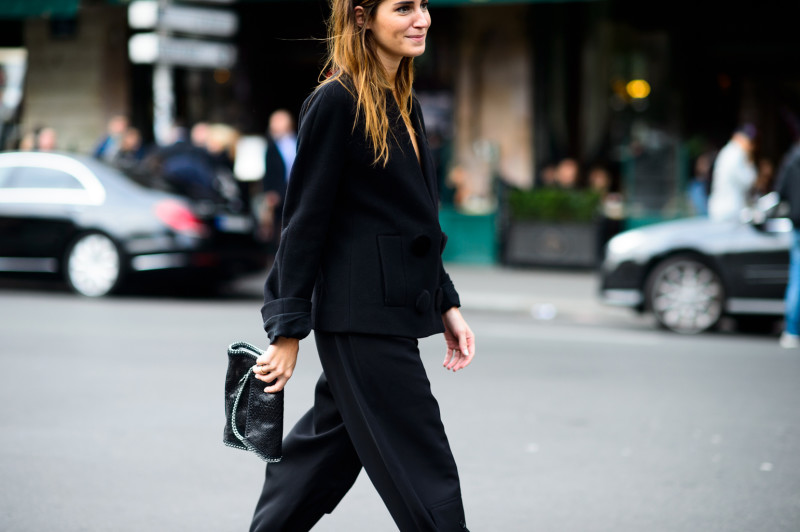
x=289, y=317
x=318, y=468
x=450, y=297
x=254, y=422
x=361, y=241
x=373, y=406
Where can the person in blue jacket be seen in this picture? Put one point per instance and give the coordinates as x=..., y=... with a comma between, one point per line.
x=359, y=262
x=788, y=188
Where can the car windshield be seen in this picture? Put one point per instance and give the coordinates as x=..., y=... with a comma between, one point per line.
x=223, y=191
x=139, y=176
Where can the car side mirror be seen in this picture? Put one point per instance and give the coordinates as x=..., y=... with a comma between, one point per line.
x=764, y=209
x=768, y=203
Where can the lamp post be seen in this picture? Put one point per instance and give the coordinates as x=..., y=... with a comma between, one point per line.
x=163, y=92
x=164, y=51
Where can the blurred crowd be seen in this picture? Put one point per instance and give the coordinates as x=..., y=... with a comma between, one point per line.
x=198, y=163
x=725, y=179
x=39, y=139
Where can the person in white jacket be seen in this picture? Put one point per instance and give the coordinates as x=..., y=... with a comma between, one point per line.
x=733, y=176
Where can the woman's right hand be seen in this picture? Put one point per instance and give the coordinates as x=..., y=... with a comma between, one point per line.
x=277, y=363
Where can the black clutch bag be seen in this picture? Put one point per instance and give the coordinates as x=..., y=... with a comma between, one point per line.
x=254, y=418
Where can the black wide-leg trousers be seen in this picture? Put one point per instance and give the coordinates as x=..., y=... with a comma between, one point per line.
x=373, y=407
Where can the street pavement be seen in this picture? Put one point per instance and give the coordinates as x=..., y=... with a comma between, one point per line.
x=543, y=294
x=573, y=417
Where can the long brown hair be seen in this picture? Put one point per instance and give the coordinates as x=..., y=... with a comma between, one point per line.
x=352, y=54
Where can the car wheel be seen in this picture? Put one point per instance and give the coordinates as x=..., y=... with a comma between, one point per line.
x=93, y=265
x=685, y=295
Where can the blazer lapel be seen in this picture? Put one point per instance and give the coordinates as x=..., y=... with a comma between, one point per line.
x=426, y=159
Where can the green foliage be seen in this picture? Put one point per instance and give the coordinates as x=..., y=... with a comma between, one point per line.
x=554, y=205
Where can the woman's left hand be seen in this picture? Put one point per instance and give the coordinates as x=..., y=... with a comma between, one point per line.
x=460, y=340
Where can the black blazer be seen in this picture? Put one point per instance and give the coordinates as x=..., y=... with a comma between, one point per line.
x=361, y=244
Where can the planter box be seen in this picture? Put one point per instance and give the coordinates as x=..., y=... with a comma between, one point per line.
x=471, y=239
x=536, y=243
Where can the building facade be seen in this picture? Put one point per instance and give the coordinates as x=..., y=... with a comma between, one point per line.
x=510, y=88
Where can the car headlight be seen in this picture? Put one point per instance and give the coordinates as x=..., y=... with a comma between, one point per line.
x=625, y=244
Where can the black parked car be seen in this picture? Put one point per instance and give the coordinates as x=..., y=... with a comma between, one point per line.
x=75, y=216
x=692, y=272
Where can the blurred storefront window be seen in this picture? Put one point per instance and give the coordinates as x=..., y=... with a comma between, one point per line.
x=516, y=93
x=13, y=64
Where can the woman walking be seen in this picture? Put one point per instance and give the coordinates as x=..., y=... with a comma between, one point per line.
x=360, y=263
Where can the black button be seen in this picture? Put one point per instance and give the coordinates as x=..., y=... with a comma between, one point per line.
x=420, y=245
x=423, y=301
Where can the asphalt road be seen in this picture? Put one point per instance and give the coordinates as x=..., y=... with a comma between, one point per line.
x=111, y=418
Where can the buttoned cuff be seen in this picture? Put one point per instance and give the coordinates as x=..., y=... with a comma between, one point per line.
x=288, y=317
x=450, y=297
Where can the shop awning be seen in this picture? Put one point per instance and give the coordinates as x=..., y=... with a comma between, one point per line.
x=67, y=8
x=435, y=3
x=38, y=8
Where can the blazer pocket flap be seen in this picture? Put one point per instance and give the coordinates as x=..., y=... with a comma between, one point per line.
x=390, y=250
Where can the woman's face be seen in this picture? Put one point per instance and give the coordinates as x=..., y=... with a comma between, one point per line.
x=399, y=28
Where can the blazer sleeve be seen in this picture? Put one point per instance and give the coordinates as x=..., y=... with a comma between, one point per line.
x=325, y=126
x=450, y=296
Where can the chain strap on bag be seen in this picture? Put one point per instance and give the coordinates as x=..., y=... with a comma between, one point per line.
x=254, y=418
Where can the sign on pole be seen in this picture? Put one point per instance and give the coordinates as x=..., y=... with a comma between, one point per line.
x=199, y=20
x=165, y=51
x=153, y=48
x=145, y=15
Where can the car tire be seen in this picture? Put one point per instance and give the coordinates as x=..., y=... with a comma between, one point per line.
x=685, y=295
x=93, y=265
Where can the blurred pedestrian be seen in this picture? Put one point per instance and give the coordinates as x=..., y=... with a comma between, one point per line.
x=221, y=147
x=609, y=221
x=733, y=176
x=221, y=143
x=281, y=151
x=361, y=253
x=283, y=137
x=187, y=169
x=698, y=186
x=567, y=174
x=789, y=190
x=599, y=180
x=765, y=179
x=131, y=152
x=28, y=141
x=199, y=135
x=458, y=181
x=110, y=144
x=46, y=139
x=547, y=175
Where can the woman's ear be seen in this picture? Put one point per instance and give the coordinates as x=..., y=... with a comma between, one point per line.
x=360, y=16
